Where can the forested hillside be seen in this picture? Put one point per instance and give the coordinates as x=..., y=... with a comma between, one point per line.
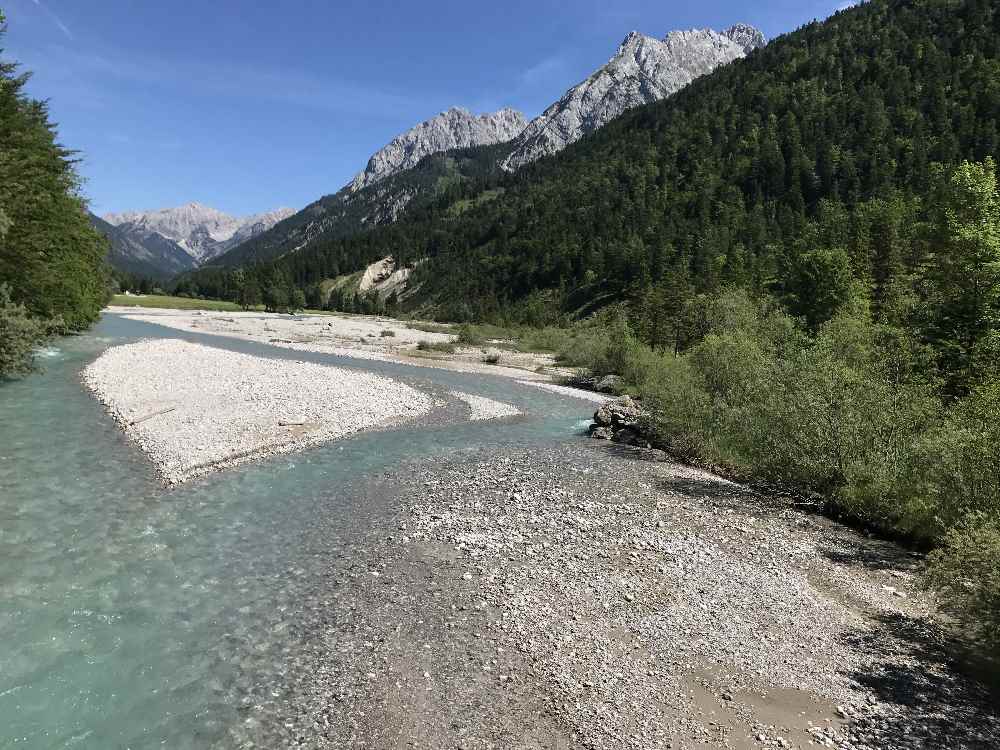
x=348, y=212
x=52, y=261
x=825, y=138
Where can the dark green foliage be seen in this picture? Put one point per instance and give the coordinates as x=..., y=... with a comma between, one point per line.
x=963, y=276
x=818, y=284
x=444, y=347
x=250, y=295
x=276, y=298
x=965, y=571
x=50, y=256
x=20, y=335
x=956, y=464
x=469, y=335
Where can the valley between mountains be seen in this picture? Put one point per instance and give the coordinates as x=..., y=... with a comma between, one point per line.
x=664, y=414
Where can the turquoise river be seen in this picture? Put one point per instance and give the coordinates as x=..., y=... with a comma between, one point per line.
x=135, y=616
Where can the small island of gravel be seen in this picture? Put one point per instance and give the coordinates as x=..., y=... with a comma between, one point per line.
x=194, y=409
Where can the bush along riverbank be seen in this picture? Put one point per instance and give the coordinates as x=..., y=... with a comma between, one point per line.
x=853, y=416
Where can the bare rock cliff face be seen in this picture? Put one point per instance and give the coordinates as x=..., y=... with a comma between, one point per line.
x=643, y=70
x=454, y=128
x=202, y=232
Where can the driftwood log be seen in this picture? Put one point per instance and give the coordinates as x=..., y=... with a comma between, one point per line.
x=134, y=422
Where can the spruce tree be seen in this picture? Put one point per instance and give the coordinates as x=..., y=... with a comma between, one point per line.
x=51, y=258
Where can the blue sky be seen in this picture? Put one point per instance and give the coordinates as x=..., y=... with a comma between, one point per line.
x=246, y=106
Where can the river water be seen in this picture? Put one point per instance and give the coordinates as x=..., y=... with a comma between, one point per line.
x=134, y=616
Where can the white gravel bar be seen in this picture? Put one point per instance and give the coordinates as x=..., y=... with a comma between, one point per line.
x=194, y=409
x=482, y=408
x=565, y=390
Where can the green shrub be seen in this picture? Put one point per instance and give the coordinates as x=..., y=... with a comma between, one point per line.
x=386, y=333
x=586, y=348
x=548, y=339
x=965, y=572
x=493, y=358
x=468, y=335
x=955, y=465
x=445, y=347
x=20, y=335
x=429, y=327
x=679, y=407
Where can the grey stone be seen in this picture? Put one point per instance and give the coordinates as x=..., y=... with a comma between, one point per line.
x=454, y=128
x=601, y=433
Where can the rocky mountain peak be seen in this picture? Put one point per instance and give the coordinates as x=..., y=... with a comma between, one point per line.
x=643, y=70
x=631, y=38
x=454, y=128
x=747, y=36
x=201, y=231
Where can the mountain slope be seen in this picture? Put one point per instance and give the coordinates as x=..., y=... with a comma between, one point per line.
x=826, y=137
x=452, y=129
x=643, y=70
x=149, y=255
x=201, y=231
x=351, y=211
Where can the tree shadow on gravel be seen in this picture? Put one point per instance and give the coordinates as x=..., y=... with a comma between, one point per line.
x=934, y=692
x=850, y=549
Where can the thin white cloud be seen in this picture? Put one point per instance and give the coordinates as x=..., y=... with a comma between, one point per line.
x=54, y=18
x=220, y=79
x=543, y=72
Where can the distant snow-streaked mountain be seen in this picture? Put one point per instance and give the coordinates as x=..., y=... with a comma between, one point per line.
x=147, y=254
x=202, y=232
x=643, y=70
x=454, y=128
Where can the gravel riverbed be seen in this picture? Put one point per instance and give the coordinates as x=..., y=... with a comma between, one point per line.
x=194, y=409
x=591, y=596
x=366, y=337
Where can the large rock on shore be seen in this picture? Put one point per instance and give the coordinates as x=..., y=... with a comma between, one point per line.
x=620, y=421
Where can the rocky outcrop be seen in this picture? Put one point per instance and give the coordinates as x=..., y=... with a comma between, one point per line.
x=202, y=232
x=621, y=421
x=385, y=278
x=454, y=128
x=643, y=70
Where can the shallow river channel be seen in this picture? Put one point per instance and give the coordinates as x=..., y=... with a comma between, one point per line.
x=136, y=616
